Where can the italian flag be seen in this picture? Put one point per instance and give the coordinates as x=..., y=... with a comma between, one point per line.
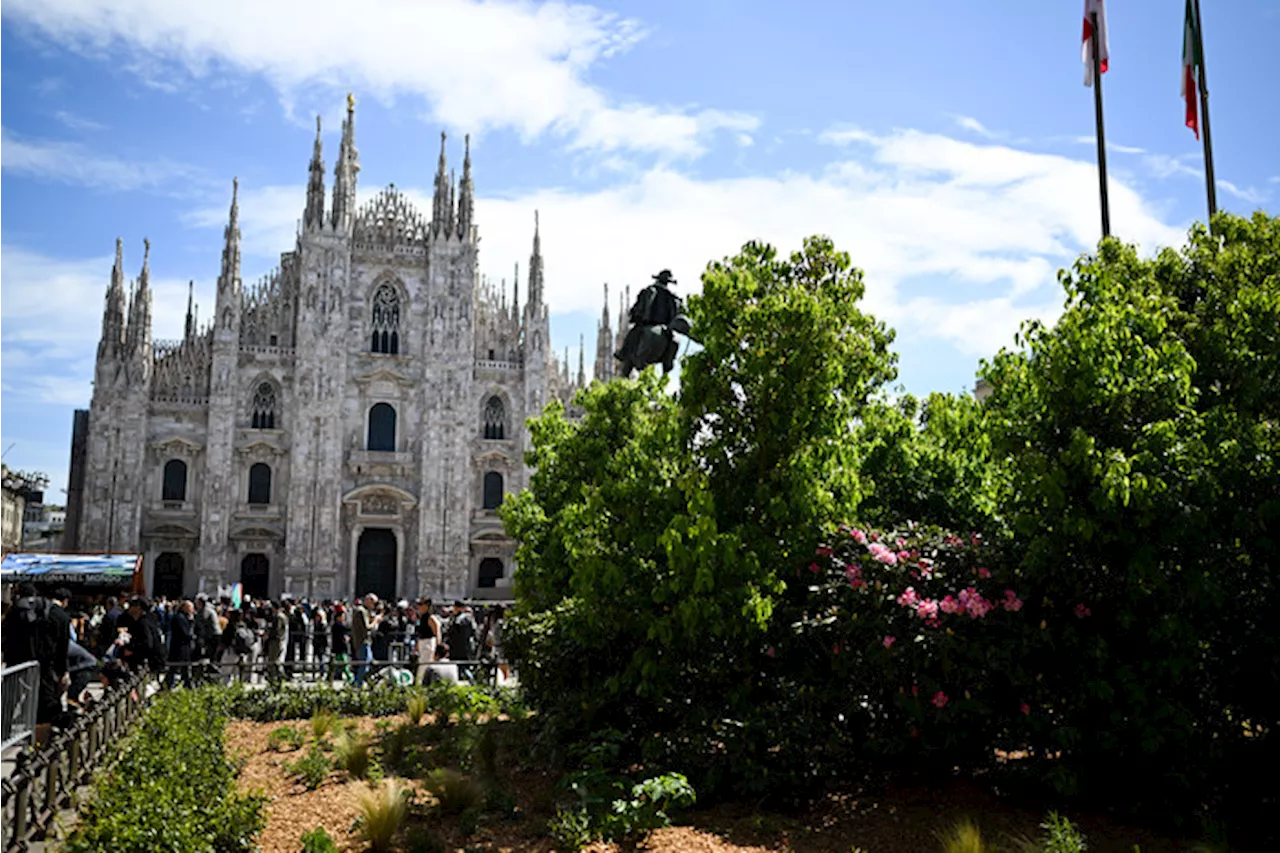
x=1191, y=65
x=1092, y=7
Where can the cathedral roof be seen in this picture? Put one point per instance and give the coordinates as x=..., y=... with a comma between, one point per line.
x=389, y=219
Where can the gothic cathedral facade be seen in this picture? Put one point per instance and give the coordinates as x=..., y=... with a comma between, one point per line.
x=349, y=424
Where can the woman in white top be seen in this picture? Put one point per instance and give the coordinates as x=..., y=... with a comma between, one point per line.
x=428, y=637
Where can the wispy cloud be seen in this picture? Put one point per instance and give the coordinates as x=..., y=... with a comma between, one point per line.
x=1111, y=146
x=974, y=126
x=1249, y=194
x=75, y=122
x=477, y=65
x=1165, y=166
x=80, y=165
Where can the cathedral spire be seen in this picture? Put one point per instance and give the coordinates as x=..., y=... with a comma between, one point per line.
x=604, y=343
x=314, y=214
x=344, y=173
x=535, y=267
x=140, y=313
x=229, y=279
x=113, y=325
x=450, y=219
x=189, y=330
x=439, y=202
x=466, y=195
x=582, y=355
x=515, y=294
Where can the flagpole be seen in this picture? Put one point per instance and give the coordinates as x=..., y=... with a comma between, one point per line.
x=1210, y=184
x=1101, y=134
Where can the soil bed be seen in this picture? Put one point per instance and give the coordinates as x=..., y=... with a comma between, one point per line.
x=898, y=820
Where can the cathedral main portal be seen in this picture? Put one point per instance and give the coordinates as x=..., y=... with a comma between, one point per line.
x=376, y=563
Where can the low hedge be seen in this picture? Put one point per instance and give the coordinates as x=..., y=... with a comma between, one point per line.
x=300, y=702
x=171, y=787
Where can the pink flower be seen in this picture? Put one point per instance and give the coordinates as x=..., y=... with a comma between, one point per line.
x=1026, y=709
x=909, y=597
x=813, y=567
x=904, y=555
x=950, y=605
x=1081, y=611
x=882, y=554
x=824, y=551
x=1011, y=601
x=940, y=699
x=984, y=573
x=857, y=583
x=889, y=641
x=927, y=609
x=835, y=650
x=859, y=536
x=974, y=604
x=769, y=651
x=926, y=568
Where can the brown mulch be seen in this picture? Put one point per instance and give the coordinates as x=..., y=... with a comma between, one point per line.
x=895, y=820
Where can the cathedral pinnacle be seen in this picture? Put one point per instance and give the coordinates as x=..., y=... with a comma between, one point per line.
x=230, y=277
x=344, y=173
x=113, y=324
x=535, y=267
x=440, y=200
x=466, y=194
x=190, y=328
x=313, y=217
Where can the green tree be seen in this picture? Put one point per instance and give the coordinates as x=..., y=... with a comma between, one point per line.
x=657, y=533
x=927, y=461
x=1142, y=433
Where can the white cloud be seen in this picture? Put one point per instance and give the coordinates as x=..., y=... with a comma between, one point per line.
x=912, y=209
x=974, y=126
x=479, y=65
x=73, y=163
x=53, y=317
x=1249, y=194
x=75, y=122
x=1111, y=146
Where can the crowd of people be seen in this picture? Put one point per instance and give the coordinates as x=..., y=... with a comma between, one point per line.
x=77, y=640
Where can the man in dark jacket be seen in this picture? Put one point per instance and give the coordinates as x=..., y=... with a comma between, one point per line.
x=37, y=629
x=145, y=646
x=107, y=627
x=182, y=641
x=461, y=638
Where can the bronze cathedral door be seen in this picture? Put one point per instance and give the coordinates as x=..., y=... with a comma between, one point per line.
x=376, y=563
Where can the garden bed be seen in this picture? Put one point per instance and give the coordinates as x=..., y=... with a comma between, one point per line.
x=893, y=820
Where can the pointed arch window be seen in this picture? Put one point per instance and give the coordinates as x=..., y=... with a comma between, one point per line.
x=264, y=406
x=386, y=321
x=495, y=418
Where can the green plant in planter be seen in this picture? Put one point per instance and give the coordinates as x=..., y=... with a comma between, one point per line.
x=456, y=792
x=416, y=708
x=322, y=723
x=351, y=753
x=313, y=768
x=285, y=736
x=380, y=814
x=318, y=841
x=963, y=837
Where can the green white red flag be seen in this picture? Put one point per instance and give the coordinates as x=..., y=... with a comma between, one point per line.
x=1192, y=63
x=1092, y=8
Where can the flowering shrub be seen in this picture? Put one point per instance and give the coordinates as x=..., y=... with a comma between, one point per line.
x=909, y=638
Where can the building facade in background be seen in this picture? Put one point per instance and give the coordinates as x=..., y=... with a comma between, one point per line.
x=348, y=424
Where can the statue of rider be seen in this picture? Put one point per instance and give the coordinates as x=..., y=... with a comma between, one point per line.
x=656, y=315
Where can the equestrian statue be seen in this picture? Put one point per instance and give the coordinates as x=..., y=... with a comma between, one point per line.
x=656, y=317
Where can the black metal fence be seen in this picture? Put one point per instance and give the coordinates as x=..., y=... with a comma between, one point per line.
x=251, y=669
x=18, y=697
x=44, y=781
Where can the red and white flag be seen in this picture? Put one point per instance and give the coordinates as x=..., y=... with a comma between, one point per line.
x=1092, y=7
x=1191, y=68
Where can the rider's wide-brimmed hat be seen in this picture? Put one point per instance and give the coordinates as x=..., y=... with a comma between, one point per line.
x=664, y=277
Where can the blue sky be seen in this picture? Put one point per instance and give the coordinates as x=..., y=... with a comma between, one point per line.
x=947, y=146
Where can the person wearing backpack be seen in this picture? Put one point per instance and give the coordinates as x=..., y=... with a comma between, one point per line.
x=236, y=647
